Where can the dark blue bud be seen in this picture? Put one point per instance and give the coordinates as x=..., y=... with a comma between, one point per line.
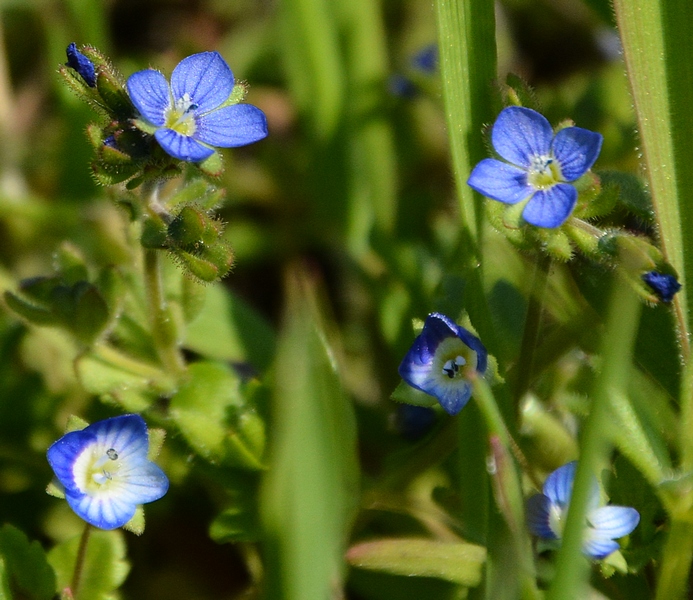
x=414, y=422
x=426, y=59
x=111, y=142
x=80, y=63
x=402, y=87
x=664, y=286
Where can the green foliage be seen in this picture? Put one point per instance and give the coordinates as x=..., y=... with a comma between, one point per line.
x=25, y=565
x=105, y=565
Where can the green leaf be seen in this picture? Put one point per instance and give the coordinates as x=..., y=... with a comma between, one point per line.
x=26, y=564
x=33, y=313
x=114, y=376
x=5, y=593
x=457, y=562
x=211, y=412
x=229, y=329
x=105, y=565
x=308, y=496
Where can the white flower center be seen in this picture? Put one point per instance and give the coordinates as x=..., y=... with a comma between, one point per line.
x=544, y=172
x=181, y=116
x=453, y=359
x=96, y=469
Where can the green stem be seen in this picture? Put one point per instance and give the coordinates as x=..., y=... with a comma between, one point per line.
x=508, y=487
x=676, y=561
x=79, y=561
x=163, y=326
x=525, y=366
x=619, y=336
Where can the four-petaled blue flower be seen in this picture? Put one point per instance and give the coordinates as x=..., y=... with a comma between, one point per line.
x=539, y=167
x=547, y=512
x=663, y=285
x=440, y=360
x=105, y=471
x=191, y=116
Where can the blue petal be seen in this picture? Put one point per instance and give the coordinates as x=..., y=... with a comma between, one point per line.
x=142, y=482
x=475, y=344
x=538, y=517
x=206, y=78
x=663, y=285
x=181, y=146
x=436, y=329
x=127, y=434
x=559, y=484
x=500, y=181
x=452, y=398
x=80, y=63
x=232, y=126
x=63, y=453
x=612, y=522
x=576, y=149
x=519, y=134
x=550, y=208
x=150, y=94
x=599, y=548
x=105, y=513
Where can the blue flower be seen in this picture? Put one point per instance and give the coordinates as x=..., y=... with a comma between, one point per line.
x=105, y=471
x=664, y=286
x=547, y=512
x=440, y=359
x=80, y=63
x=540, y=165
x=191, y=116
x=426, y=59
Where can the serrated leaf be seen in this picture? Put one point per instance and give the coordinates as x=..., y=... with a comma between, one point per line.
x=457, y=562
x=105, y=565
x=131, y=383
x=26, y=564
x=208, y=408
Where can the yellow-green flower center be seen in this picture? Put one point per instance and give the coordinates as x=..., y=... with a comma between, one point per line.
x=181, y=116
x=544, y=172
x=454, y=357
x=96, y=469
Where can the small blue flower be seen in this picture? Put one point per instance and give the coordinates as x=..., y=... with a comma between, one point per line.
x=440, y=359
x=664, y=286
x=80, y=63
x=540, y=165
x=547, y=513
x=426, y=59
x=190, y=115
x=105, y=471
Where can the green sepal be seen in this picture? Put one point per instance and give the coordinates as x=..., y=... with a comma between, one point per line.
x=113, y=157
x=33, y=313
x=75, y=423
x=156, y=442
x=95, y=135
x=26, y=563
x=202, y=269
x=193, y=230
x=90, y=313
x=212, y=166
x=56, y=489
x=221, y=255
x=106, y=174
x=80, y=87
x=198, y=192
x=110, y=84
x=594, y=199
x=154, y=233
x=136, y=524
x=519, y=93
x=238, y=93
x=555, y=243
x=144, y=127
x=587, y=242
x=406, y=394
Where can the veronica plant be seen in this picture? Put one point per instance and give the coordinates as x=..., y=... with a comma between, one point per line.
x=440, y=359
x=605, y=524
x=538, y=168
